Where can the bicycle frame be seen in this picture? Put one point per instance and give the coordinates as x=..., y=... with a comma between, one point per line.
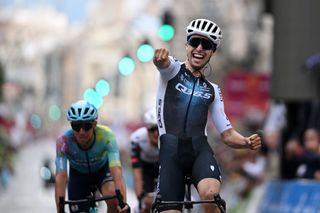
x=91, y=201
x=188, y=203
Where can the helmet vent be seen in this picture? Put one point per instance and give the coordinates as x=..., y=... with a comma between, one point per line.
x=86, y=111
x=193, y=23
x=204, y=25
x=198, y=24
x=215, y=29
x=210, y=26
x=73, y=111
x=214, y=37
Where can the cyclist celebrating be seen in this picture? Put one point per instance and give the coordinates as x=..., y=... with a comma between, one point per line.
x=185, y=98
x=93, y=156
x=144, y=160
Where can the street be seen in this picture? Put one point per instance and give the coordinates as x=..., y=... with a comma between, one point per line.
x=26, y=192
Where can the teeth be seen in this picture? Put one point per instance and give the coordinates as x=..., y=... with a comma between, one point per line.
x=198, y=56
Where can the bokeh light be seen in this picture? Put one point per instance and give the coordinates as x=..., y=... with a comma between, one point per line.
x=93, y=97
x=145, y=52
x=126, y=66
x=35, y=121
x=54, y=112
x=102, y=87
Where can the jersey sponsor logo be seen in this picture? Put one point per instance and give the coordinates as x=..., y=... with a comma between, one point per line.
x=180, y=87
x=220, y=94
x=159, y=113
x=186, y=79
x=204, y=85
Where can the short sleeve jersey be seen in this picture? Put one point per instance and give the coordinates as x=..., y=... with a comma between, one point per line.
x=104, y=150
x=184, y=101
x=142, y=151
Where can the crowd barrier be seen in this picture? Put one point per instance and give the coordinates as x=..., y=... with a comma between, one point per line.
x=291, y=197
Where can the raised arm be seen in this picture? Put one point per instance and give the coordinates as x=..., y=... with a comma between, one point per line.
x=161, y=58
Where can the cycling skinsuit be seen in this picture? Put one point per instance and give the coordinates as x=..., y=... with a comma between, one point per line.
x=88, y=168
x=144, y=155
x=183, y=105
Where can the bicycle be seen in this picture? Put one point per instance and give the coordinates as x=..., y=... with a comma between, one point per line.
x=91, y=201
x=188, y=202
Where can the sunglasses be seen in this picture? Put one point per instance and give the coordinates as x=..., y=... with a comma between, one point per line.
x=85, y=126
x=205, y=43
x=153, y=128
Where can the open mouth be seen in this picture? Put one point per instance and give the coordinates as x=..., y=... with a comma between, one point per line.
x=197, y=56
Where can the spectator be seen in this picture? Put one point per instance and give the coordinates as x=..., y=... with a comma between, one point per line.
x=309, y=161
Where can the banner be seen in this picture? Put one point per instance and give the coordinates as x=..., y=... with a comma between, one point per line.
x=246, y=91
x=291, y=197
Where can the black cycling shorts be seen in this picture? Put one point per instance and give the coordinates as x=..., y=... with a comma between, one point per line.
x=81, y=185
x=173, y=168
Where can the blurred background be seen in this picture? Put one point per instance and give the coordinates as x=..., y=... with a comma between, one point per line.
x=53, y=52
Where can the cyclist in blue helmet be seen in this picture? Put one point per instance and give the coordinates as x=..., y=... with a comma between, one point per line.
x=93, y=156
x=185, y=101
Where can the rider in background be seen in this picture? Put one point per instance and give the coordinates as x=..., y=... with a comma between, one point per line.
x=93, y=157
x=144, y=160
x=185, y=100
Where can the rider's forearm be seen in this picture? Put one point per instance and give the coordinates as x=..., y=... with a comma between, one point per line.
x=60, y=186
x=137, y=176
x=119, y=182
x=234, y=139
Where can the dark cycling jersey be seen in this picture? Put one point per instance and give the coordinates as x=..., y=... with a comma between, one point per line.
x=103, y=150
x=144, y=155
x=183, y=102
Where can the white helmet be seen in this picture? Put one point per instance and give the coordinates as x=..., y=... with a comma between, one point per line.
x=205, y=28
x=150, y=117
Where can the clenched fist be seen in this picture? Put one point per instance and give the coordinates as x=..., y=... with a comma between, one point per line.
x=254, y=141
x=161, y=58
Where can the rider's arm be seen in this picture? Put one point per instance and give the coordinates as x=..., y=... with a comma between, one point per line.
x=234, y=139
x=115, y=164
x=137, y=176
x=229, y=135
x=161, y=58
x=136, y=167
x=167, y=65
x=116, y=173
x=60, y=186
x=61, y=176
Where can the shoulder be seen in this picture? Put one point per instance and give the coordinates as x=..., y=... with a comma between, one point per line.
x=63, y=141
x=66, y=135
x=217, y=90
x=104, y=132
x=139, y=134
x=103, y=128
x=172, y=70
x=214, y=85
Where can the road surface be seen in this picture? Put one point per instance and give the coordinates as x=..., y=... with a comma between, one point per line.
x=25, y=192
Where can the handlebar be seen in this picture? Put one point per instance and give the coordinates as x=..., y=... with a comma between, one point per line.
x=92, y=199
x=216, y=200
